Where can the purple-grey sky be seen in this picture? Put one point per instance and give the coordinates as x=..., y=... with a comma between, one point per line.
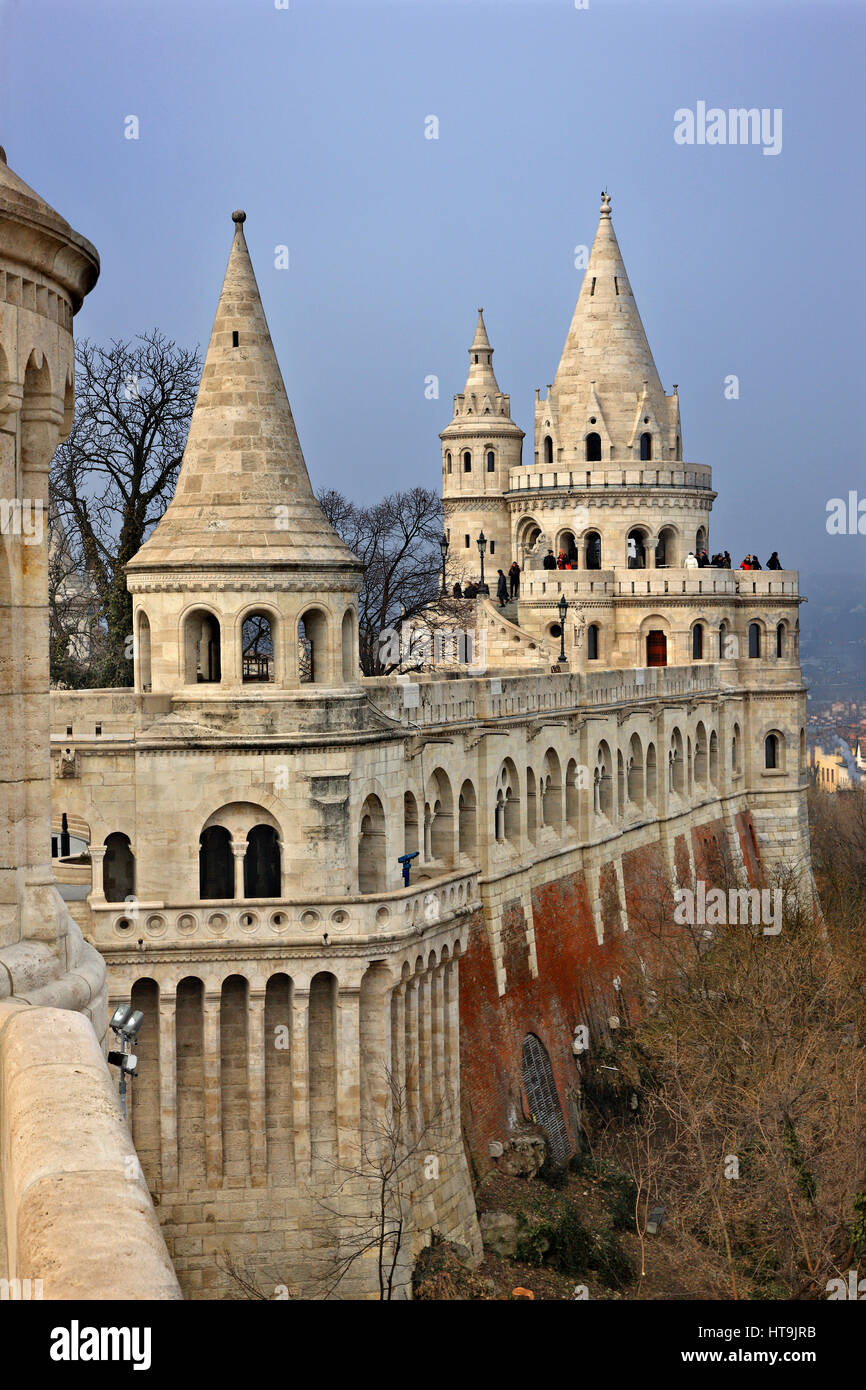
x=312, y=118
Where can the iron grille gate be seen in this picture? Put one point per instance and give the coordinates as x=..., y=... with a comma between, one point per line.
x=542, y=1095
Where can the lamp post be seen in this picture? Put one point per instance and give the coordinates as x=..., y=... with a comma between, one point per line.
x=443, y=546
x=482, y=546
x=563, y=609
x=125, y=1025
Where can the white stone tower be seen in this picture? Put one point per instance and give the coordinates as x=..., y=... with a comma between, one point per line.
x=479, y=448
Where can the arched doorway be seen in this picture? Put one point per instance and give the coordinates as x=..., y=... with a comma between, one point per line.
x=118, y=868
x=371, y=847
x=216, y=865
x=262, y=877
x=257, y=648
x=656, y=648
x=201, y=648
x=593, y=550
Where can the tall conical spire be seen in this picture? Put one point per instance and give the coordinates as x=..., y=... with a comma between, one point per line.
x=481, y=379
x=607, y=358
x=243, y=495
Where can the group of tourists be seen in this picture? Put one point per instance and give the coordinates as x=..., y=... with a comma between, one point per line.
x=722, y=560
x=752, y=562
x=560, y=561
x=507, y=586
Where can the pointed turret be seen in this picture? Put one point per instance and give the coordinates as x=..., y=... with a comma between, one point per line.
x=243, y=495
x=607, y=362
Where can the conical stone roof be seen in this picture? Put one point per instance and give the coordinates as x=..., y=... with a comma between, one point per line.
x=243, y=497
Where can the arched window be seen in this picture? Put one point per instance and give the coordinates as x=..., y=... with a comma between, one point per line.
x=371, y=847
x=666, y=548
x=714, y=758
x=313, y=646
x=531, y=807
x=723, y=635
x=635, y=782
x=676, y=764
x=467, y=462
x=118, y=868
x=603, y=781
x=551, y=792
x=646, y=447
x=735, y=749
x=542, y=1097
x=701, y=756
x=491, y=461
x=349, y=646
x=754, y=639
x=508, y=804
x=780, y=640
x=142, y=652
x=572, y=793
x=700, y=540
x=262, y=877
x=566, y=544
x=771, y=751
x=466, y=827
x=216, y=865
x=201, y=648
x=439, y=819
x=651, y=775
x=593, y=550
x=548, y=449
x=636, y=549
x=592, y=642
x=593, y=448
x=656, y=648
x=448, y=461
x=257, y=648
x=698, y=642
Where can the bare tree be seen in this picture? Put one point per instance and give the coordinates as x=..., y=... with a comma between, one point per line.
x=113, y=477
x=398, y=541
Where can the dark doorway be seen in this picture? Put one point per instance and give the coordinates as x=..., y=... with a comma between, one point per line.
x=118, y=869
x=216, y=865
x=656, y=648
x=262, y=863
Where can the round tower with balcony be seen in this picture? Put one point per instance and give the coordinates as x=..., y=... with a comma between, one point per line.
x=244, y=584
x=480, y=447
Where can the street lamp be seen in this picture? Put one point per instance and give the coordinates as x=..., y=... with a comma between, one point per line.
x=482, y=546
x=125, y=1025
x=443, y=546
x=563, y=609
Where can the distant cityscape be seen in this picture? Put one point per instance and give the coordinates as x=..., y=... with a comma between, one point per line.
x=833, y=658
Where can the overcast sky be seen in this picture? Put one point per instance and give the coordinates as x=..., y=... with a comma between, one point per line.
x=313, y=119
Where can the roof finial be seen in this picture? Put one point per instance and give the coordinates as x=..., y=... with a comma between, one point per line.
x=605, y=203
x=239, y=216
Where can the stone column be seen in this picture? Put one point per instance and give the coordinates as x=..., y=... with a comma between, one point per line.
x=213, y=1140
x=168, y=1088
x=301, y=1081
x=348, y=1049
x=410, y=1035
x=97, y=856
x=425, y=1052
x=239, y=849
x=256, y=1075
x=452, y=1038
x=439, y=1087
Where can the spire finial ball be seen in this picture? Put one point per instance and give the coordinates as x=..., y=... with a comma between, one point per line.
x=239, y=216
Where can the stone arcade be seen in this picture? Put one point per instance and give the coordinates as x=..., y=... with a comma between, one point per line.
x=247, y=801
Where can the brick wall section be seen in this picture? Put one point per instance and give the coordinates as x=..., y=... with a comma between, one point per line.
x=748, y=845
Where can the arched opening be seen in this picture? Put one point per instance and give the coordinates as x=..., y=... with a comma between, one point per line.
x=714, y=758
x=548, y=449
x=531, y=807
x=723, y=642
x=656, y=648
x=542, y=1098
x=448, y=461
x=802, y=764
x=603, y=781
x=323, y=1072
x=592, y=642
x=620, y=783
x=572, y=794
x=651, y=775
x=349, y=646
x=466, y=826
x=700, y=539
x=754, y=639
x=735, y=749
x=257, y=649
x=145, y=1116
x=491, y=461
x=635, y=772
x=676, y=764
x=780, y=641
x=439, y=814
x=467, y=462
x=201, y=647
x=410, y=824
x=593, y=448
x=313, y=647
x=636, y=549
x=527, y=535
x=262, y=875
x=701, y=756
x=551, y=792
x=118, y=868
x=646, y=447
x=508, y=804
x=698, y=642
x=666, y=548
x=773, y=751
x=142, y=651
x=371, y=847
x=216, y=865
x=593, y=550
x=566, y=547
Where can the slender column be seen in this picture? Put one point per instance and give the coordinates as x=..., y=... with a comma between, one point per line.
x=97, y=855
x=437, y=1002
x=398, y=1045
x=213, y=1141
x=301, y=1081
x=425, y=1054
x=256, y=1074
x=168, y=1088
x=239, y=849
x=452, y=1037
x=348, y=1049
x=410, y=1034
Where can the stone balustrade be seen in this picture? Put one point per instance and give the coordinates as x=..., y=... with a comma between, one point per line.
x=530, y=478
x=302, y=921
